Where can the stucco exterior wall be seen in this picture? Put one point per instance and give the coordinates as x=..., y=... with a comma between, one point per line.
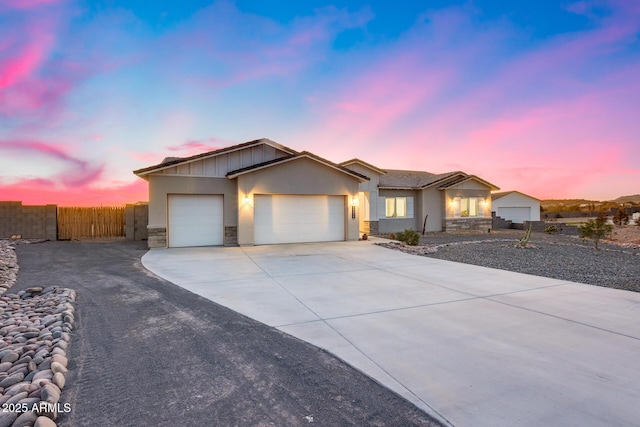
x=160, y=186
x=393, y=225
x=433, y=205
x=301, y=176
x=484, y=208
x=370, y=187
x=368, y=200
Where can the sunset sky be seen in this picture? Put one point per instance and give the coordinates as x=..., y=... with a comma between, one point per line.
x=538, y=96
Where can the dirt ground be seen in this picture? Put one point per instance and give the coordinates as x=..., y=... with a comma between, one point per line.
x=626, y=234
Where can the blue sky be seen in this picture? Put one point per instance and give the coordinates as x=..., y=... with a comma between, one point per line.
x=539, y=97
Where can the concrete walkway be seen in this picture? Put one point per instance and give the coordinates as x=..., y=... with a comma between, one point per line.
x=470, y=345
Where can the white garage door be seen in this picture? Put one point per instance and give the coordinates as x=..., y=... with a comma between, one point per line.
x=517, y=215
x=195, y=220
x=298, y=219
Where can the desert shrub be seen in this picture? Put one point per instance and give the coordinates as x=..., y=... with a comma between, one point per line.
x=595, y=229
x=621, y=217
x=551, y=229
x=392, y=236
x=522, y=243
x=409, y=236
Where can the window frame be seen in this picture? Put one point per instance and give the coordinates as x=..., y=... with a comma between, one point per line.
x=468, y=207
x=396, y=205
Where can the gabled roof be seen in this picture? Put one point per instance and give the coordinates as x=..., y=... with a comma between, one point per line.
x=466, y=178
x=496, y=196
x=396, y=179
x=174, y=161
x=365, y=164
x=302, y=154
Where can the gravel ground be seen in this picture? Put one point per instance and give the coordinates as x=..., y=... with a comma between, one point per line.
x=557, y=256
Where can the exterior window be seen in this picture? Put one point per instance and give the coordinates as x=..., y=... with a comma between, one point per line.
x=466, y=207
x=391, y=207
x=473, y=206
x=396, y=207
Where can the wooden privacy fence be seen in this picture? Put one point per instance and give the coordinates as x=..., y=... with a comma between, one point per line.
x=83, y=223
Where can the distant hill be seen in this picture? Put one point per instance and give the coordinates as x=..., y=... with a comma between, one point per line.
x=626, y=199
x=566, y=202
x=587, y=205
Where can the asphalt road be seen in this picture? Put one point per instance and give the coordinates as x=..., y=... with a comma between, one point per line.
x=145, y=352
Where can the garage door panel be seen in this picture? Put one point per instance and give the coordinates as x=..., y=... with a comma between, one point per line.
x=515, y=214
x=297, y=219
x=195, y=220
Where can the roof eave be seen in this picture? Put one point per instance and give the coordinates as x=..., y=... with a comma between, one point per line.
x=391, y=187
x=506, y=193
x=468, y=178
x=237, y=173
x=440, y=181
x=162, y=166
x=365, y=164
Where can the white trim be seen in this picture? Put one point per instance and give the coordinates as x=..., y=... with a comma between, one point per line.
x=289, y=159
x=364, y=165
x=382, y=206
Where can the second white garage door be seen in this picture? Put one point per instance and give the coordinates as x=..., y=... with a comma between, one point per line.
x=195, y=220
x=298, y=219
x=517, y=215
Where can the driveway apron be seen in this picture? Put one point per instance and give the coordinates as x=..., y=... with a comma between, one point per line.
x=469, y=345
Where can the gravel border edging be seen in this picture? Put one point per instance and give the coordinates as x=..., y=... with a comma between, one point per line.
x=35, y=332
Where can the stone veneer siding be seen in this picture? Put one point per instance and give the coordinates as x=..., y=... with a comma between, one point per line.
x=231, y=235
x=466, y=224
x=370, y=227
x=157, y=237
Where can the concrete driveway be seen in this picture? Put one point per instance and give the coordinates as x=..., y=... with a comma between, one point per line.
x=470, y=345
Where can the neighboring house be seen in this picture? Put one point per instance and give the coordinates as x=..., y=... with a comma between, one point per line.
x=261, y=192
x=516, y=206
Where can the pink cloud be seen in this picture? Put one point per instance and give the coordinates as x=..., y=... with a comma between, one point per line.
x=77, y=172
x=27, y=59
x=147, y=157
x=32, y=82
x=79, y=183
x=236, y=47
x=196, y=146
x=568, y=124
x=29, y=4
x=41, y=191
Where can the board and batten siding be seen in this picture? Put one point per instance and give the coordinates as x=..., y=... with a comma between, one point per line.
x=220, y=165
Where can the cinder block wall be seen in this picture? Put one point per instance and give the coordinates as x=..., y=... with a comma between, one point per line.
x=540, y=226
x=29, y=222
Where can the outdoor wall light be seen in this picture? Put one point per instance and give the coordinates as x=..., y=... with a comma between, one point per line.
x=354, y=203
x=246, y=199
